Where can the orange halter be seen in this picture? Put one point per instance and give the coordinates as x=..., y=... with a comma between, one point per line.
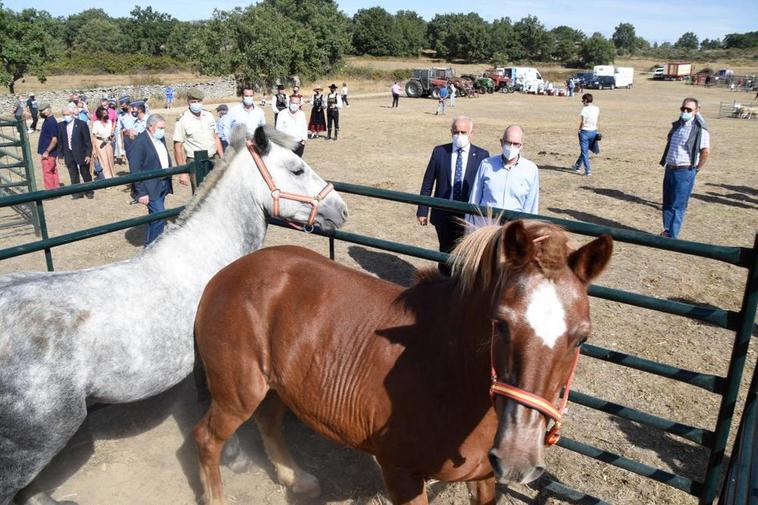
x=277, y=194
x=532, y=400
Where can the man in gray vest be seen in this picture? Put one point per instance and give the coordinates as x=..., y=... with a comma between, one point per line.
x=687, y=150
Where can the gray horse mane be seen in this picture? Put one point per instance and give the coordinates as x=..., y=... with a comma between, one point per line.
x=238, y=142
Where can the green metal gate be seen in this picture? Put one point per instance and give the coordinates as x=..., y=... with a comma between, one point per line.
x=727, y=386
x=17, y=170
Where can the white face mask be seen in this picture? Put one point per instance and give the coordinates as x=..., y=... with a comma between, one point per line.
x=294, y=107
x=461, y=140
x=248, y=100
x=510, y=151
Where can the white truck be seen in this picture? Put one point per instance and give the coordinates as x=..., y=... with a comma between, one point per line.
x=527, y=78
x=624, y=77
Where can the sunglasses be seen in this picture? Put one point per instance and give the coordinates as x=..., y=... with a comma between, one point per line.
x=686, y=109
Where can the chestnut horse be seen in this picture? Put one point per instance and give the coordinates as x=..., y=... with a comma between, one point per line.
x=403, y=374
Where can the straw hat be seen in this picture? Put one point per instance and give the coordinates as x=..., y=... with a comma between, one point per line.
x=318, y=88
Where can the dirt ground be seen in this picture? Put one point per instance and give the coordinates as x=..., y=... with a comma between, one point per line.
x=139, y=453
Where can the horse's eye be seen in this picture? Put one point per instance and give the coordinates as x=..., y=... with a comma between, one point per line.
x=299, y=171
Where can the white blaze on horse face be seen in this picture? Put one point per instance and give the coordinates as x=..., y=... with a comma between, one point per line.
x=545, y=313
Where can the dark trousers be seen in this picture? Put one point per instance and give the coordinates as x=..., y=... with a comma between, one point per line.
x=449, y=231
x=333, y=117
x=35, y=115
x=155, y=228
x=395, y=100
x=344, y=100
x=300, y=150
x=75, y=169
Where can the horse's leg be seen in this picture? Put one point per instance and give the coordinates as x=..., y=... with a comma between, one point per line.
x=29, y=442
x=269, y=417
x=482, y=491
x=211, y=432
x=404, y=489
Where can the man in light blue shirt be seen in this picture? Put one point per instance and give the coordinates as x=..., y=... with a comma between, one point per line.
x=506, y=181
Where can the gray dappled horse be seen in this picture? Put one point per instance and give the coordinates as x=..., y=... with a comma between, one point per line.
x=123, y=332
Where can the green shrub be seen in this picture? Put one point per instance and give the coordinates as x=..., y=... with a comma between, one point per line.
x=112, y=63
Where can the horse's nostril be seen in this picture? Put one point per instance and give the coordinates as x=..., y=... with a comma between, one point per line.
x=344, y=213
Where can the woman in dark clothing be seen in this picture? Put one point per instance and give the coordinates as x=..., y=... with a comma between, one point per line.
x=317, y=123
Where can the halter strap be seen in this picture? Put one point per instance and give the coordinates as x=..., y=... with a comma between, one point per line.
x=532, y=400
x=277, y=194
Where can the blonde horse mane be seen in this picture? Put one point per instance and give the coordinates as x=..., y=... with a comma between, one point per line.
x=476, y=261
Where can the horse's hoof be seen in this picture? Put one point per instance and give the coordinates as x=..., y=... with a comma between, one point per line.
x=307, y=486
x=42, y=499
x=240, y=464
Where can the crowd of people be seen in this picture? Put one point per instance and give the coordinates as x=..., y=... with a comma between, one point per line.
x=123, y=131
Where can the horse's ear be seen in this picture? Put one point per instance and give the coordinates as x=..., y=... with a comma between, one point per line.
x=261, y=140
x=590, y=260
x=516, y=247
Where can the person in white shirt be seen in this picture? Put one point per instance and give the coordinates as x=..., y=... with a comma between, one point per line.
x=333, y=106
x=587, y=134
x=343, y=95
x=279, y=102
x=102, y=135
x=507, y=181
x=293, y=123
x=247, y=113
x=452, y=94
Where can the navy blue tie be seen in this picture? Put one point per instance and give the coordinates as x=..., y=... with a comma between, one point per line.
x=458, y=182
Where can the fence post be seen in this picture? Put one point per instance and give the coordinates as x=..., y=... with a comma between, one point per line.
x=203, y=165
x=733, y=379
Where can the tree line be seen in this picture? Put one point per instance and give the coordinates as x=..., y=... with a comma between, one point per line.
x=264, y=42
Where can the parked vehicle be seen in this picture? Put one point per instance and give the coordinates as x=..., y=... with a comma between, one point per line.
x=499, y=79
x=602, y=82
x=677, y=71
x=624, y=77
x=427, y=81
x=658, y=72
x=524, y=77
x=582, y=78
x=481, y=84
x=599, y=70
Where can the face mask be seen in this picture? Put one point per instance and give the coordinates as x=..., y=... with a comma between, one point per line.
x=294, y=107
x=159, y=133
x=134, y=113
x=248, y=100
x=686, y=116
x=461, y=140
x=196, y=107
x=510, y=151
x=68, y=119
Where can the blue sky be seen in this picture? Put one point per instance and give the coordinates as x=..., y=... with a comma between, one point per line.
x=656, y=20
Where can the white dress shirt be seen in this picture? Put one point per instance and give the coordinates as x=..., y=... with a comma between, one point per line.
x=293, y=125
x=252, y=117
x=161, y=149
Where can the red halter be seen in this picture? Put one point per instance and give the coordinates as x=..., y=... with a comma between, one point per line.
x=276, y=193
x=532, y=400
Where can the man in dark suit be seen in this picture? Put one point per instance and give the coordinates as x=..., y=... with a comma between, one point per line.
x=76, y=148
x=149, y=152
x=451, y=171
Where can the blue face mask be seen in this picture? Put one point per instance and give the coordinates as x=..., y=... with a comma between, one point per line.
x=68, y=119
x=160, y=133
x=196, y=107
x=686, y=116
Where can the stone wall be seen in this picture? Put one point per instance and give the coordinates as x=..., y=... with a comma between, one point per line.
x=217, y=88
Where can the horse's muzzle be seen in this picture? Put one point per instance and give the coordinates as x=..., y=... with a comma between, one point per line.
x=520, y=470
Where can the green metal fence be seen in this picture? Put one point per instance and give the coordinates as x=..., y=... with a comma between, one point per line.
x=727, y=386
x=17, y=170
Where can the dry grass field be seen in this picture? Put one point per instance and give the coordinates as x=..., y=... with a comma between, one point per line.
x=139, y=454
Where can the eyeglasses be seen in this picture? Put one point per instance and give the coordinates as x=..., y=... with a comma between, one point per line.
x=686, y=109
x=513, y=144
x=460, y=132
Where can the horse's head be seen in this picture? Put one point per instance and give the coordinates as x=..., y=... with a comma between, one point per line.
x=290, y=189
x=540, y=317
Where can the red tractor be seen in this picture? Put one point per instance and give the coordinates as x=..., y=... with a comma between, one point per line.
x=498, y=77
x=428, y=81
